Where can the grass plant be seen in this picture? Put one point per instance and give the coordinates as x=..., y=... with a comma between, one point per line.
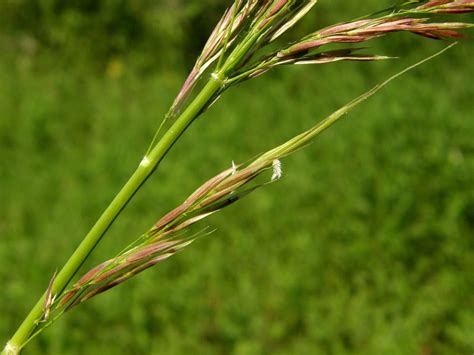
x=240, y=48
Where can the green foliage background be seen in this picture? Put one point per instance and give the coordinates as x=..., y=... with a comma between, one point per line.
x=365, y=247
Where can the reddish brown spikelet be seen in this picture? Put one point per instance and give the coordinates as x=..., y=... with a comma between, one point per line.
x=96, y=292
x=67, y=297
x=448, y=7
x=110, y=273
x=171, y=216
x=149, y=250
x=196, y=195
x=217, y=196
x=439, y=34
x=123, y=278
x=277, y=7
x=209, y=185
x=88, y=276
x=190, y=221
x=241, y=176
x=151, y=262
x=304, y=47
x=343, y=27
x=433, y=4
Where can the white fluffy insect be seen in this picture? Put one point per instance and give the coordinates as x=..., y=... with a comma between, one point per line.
x=234, y=168
x=277, y=171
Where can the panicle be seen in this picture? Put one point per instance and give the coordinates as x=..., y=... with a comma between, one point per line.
x=249, y=26
x=245, y=27
x=222, y=37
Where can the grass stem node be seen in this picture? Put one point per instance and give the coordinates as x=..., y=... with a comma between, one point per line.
x=11, y=349
x=145, y=161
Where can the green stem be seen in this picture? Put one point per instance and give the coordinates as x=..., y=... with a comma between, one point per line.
x=239, y=52
x=144, y=170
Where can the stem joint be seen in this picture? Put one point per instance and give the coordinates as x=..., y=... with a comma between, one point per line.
x=219, y=78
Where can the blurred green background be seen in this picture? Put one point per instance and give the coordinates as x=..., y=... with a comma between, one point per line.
x=366, y=246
